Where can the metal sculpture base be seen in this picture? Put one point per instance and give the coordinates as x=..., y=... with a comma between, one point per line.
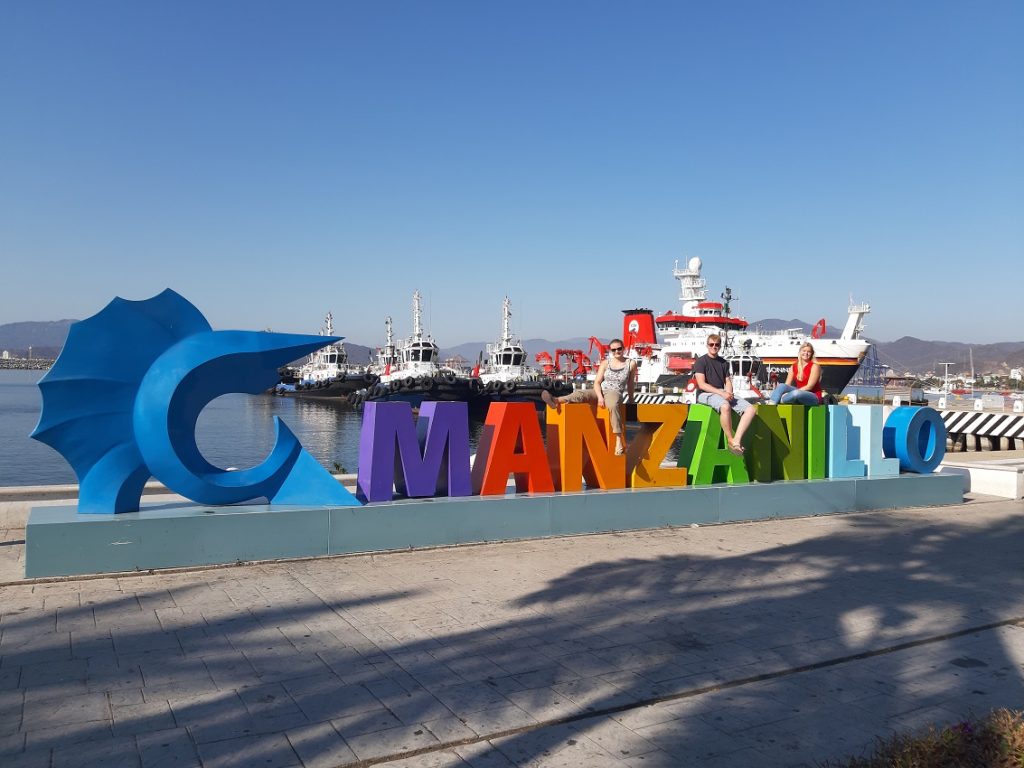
x=61, y=542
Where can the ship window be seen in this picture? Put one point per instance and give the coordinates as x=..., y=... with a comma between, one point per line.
x=427, y=355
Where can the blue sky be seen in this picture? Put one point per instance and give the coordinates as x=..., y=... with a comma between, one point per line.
x=272, y=161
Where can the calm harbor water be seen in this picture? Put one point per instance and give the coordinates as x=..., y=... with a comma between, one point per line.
x=233, y=431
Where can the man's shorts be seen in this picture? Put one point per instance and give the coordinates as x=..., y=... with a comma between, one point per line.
x=717, y=401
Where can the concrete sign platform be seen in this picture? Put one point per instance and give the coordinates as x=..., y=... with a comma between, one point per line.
x=61, y=542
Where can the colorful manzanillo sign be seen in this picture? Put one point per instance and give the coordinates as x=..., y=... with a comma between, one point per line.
x=429, y=455
x=122, y=401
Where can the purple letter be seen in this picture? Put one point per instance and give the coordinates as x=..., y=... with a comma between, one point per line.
x=432, y=455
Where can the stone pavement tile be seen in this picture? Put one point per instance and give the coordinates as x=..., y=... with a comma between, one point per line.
x=435, y=675
x=63, y=710
x=118, y=752
x=231, y=670
x=393, y=741
x=451, y=728
x=545, y=675
x=13, y=742
x=91, y=645
x=544, y=704
x=125, y=696
x=183, y=688
x=134, y=642
x=67, y=733
x=587, y=664
x=482, y=755
x=637, y=686
x=158, y=672
x=172, y=748
x=473, y=668
x=561, y=746
x=692, y=739
x=76, y=620
x=415, y=706
x=496, y=719
x=197, y=641
x=210, y=711
x=615, y=738
x=39, y=758
x=594, y=694
x=514, y=660
x=924, y=716
x=366, y=722
x=270, y=699
x=320, y=746
x=267, y=751
x=340, y=701
x=64, y=676
x=9, y=677
x=130, y=719
x=17, y=651
x=629, y=657
x=465, y=698
x=311, y=684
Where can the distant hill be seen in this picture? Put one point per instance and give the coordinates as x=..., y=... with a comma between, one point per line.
x=46, y=338
x=920, y=356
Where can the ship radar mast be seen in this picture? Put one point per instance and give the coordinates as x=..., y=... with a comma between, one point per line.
x=389, y=335
x=328, y=325
x=506, y=310
x=417, y=316
x=855, y=320
x=692, y=287
x=727, y=299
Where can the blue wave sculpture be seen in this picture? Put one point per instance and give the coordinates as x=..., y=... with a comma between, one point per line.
x=122, y=401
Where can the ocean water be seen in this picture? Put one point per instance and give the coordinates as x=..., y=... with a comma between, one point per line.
x=233, y=431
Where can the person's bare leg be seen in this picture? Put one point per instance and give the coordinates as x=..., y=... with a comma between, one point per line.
x=725, y=417
x=551, y=401
x=745, y=418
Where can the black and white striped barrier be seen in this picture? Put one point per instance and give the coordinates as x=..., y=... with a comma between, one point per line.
x=981, y=424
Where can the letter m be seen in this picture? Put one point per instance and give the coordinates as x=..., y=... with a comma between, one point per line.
x=421, y=457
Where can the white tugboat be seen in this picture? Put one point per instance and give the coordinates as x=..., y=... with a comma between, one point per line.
x=327, y=372
x=758, y=358
x=410, y=369
x=506, y=375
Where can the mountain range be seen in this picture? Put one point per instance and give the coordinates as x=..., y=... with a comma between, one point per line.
x=905, y=355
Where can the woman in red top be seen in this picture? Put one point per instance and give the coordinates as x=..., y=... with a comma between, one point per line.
x=803, y=384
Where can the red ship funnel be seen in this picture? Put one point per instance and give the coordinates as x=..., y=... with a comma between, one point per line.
x=638, y=327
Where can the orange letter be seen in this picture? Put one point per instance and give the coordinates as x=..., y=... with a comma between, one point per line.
x=648, y=472
x=511, y=444
x=569, y=432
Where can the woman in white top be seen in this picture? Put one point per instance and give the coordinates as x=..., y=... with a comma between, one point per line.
x=615, y=376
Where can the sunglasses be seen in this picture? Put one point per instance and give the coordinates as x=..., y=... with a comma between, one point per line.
x=713, y=345
x=614, y=349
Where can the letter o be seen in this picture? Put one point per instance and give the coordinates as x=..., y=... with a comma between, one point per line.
x=917, y=437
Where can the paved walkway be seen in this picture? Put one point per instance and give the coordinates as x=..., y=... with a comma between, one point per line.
x=775, y=643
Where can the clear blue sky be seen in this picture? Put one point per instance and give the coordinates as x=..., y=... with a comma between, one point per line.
x=272, y=161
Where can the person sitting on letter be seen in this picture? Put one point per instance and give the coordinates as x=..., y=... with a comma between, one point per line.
x=714, y=383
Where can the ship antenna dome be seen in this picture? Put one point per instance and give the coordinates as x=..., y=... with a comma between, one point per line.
x=694, y=264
